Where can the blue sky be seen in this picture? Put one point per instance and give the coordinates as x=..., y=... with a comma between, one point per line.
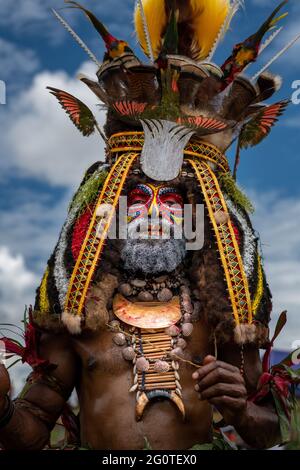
x=43, y=157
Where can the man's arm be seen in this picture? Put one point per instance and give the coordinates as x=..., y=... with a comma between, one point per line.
x=223, y=385
x=36, y=413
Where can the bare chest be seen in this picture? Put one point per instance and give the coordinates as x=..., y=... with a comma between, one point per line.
x=98, y=352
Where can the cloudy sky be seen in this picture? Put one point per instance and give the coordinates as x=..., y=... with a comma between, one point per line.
x=43, y=157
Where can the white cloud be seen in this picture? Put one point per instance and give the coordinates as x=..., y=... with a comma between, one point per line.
x=17, y=285
x=39, y=140
x=32, y=226
x=15, y=62
x=20, y=12
x=277, y=220
x=34, y=17
x=13, y=274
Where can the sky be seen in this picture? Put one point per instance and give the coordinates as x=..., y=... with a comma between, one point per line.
x=43, y=157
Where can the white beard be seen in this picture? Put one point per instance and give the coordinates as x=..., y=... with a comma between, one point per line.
x=153, y=256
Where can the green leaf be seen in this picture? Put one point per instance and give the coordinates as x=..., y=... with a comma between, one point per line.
x=147, y=445
x=284, y=420
x=202, y=447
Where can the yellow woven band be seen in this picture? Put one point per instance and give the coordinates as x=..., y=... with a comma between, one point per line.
x=134, y=141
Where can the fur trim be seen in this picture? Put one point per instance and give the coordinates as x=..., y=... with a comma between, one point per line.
x=245, y=334
x=60, y=271
x=48, y=322
x=100, y=294
x=276, y=79
x=72, y=322
x=249, y=238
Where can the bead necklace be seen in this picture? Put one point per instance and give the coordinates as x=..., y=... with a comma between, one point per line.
x=155, y=352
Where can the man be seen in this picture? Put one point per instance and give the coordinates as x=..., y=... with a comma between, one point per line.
x=150, y=332
x=93, y=364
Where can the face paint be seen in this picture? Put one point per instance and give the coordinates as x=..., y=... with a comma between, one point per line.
x=170, y=204
x=164, y=202
x=139, y=202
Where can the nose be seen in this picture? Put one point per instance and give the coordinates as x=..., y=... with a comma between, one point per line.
x=154, y=210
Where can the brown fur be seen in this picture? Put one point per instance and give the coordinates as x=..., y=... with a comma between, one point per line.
x=100, y=294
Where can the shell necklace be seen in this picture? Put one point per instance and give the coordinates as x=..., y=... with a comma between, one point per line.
x=157, y=336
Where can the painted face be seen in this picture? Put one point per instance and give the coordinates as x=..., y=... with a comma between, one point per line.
x=147, y=200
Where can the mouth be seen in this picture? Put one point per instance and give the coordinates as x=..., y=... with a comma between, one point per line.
x=153, y=231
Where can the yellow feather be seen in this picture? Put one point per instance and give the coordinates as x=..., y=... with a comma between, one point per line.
x=155, y=14
x=44, y=300
x=205, y=17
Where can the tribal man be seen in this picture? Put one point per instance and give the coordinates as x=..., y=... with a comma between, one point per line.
x=153, y=333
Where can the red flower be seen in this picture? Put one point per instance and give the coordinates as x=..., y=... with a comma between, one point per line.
x=29, y=352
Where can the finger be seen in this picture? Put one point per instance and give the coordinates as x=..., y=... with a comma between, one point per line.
x=209, y=359
x=220, y=375
x=205, y=369
x=223, y=389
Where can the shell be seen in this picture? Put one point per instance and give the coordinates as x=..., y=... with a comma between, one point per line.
x=133, y=388
x=161, y=278
x=142, y=364
x=221, y=217
x=185, y=296
x=165, y=295
x=161, y=366
x=187, y=305
x=176, y=352
x=181, y=343
x=187, y=329
x=178, y=385
x=138, y=283
x=125, y=289
x=119, y=339
x=185, y=290
x=114, y=325
x=187, y=318
x=128, y=353
x=145, y=296
x=172, y=330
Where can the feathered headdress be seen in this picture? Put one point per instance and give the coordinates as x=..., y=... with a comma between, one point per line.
x=177, y=114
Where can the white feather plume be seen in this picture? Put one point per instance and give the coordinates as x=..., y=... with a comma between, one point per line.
x=146, y=30
x=77, y=38
x=279, y=54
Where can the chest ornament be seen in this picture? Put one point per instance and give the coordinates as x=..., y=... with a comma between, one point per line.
x=154, y=336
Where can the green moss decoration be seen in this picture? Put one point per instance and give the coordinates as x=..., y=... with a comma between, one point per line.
x=237, y=196
x=89, y=191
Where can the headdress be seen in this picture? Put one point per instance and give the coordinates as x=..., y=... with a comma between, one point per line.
x=172, y=117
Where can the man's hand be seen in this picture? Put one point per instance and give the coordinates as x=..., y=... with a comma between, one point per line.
x=223, y=386
x=4, y=387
